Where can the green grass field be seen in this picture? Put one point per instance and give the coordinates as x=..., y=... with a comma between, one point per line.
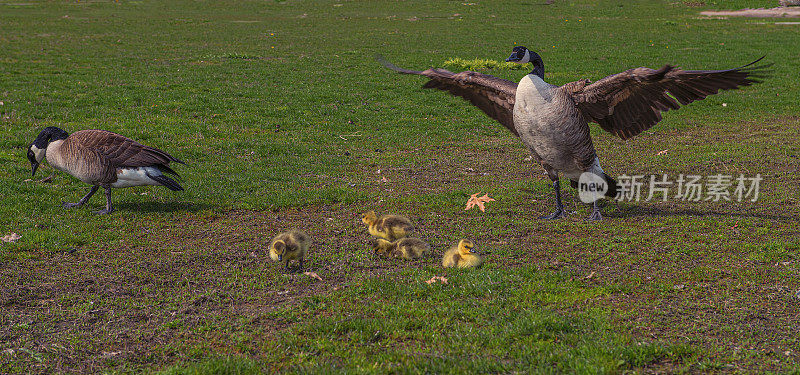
x=287, y=121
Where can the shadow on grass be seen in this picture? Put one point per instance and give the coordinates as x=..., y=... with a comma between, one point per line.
x=162, y=207
x=634, y=211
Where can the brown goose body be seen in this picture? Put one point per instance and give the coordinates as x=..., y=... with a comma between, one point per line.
x=103, y=159
x=552, y=121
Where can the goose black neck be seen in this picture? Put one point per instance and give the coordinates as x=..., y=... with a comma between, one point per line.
x=538, y=68
x=538, y=64
x=48, y=135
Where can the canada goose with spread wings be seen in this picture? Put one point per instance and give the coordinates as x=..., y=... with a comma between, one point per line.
x=552, y=121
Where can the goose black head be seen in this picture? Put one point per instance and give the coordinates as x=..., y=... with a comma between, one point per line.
x=522, y=55
x=38, y=149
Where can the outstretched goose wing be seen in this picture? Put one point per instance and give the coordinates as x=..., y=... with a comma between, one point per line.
x=121, y=151
x=494, y=96
x=628, y=103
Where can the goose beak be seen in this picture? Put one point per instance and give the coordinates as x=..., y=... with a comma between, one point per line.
x=513, y=58
x=280, y=257
x=34, y=162
x=34, y=166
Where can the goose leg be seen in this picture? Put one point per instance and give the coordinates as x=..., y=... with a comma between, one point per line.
x=595, y=213
x=559, y=213
x=83, y=200
x=109, y=208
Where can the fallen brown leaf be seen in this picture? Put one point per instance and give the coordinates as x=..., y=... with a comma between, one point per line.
x=312, y=275
x=474, y=200
x=13, y=237
x=441, y=279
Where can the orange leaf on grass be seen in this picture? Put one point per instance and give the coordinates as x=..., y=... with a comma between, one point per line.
x=13, y=237
x=433, y=280
x=475, y=200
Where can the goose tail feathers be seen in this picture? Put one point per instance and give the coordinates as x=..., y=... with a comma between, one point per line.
x=167, y=182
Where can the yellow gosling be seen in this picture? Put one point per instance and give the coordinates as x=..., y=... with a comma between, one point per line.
x=389, y=227
x=405, y=248
x=291, y=245
x=462, y=255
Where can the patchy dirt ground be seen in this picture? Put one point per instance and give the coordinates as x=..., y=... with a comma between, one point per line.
x=778, y=12
x=170, y=282
x=209, y=279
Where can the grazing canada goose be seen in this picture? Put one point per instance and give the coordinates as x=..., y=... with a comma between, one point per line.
x=102, y=159
x=390, y=227
x=406, y=248
x=291, y=245
x=462, y=255
x=552, y=121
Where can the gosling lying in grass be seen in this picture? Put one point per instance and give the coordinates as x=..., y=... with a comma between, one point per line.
x=389, y=227
x=405, y=248
x=462, y=255
x=291, y=245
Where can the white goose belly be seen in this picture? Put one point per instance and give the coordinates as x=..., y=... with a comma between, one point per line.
x=136, y=176
x=542, y=117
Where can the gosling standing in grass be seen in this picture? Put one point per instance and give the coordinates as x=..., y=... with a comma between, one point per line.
x=389, y=227
x=102, y=159
x=462, y=255
x=405, y=248
x=291, y=245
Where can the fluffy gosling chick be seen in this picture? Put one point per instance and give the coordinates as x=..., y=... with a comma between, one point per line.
x=406, y=248
x=291, y=245
x=462, y=255
x=389, y=227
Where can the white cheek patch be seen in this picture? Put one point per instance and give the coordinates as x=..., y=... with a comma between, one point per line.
x=526, y=58
x=38, y=153
x=127, y=177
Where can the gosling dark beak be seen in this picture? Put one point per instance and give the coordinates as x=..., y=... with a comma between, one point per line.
x=280, y=258
x=513, y=58
x=34, y=166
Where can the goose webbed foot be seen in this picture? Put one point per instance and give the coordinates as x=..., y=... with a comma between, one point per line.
x=559, y=214
x=595, y=215
x=83, y=200
x=109, y=208
x=70, y=205
x=105, y=211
